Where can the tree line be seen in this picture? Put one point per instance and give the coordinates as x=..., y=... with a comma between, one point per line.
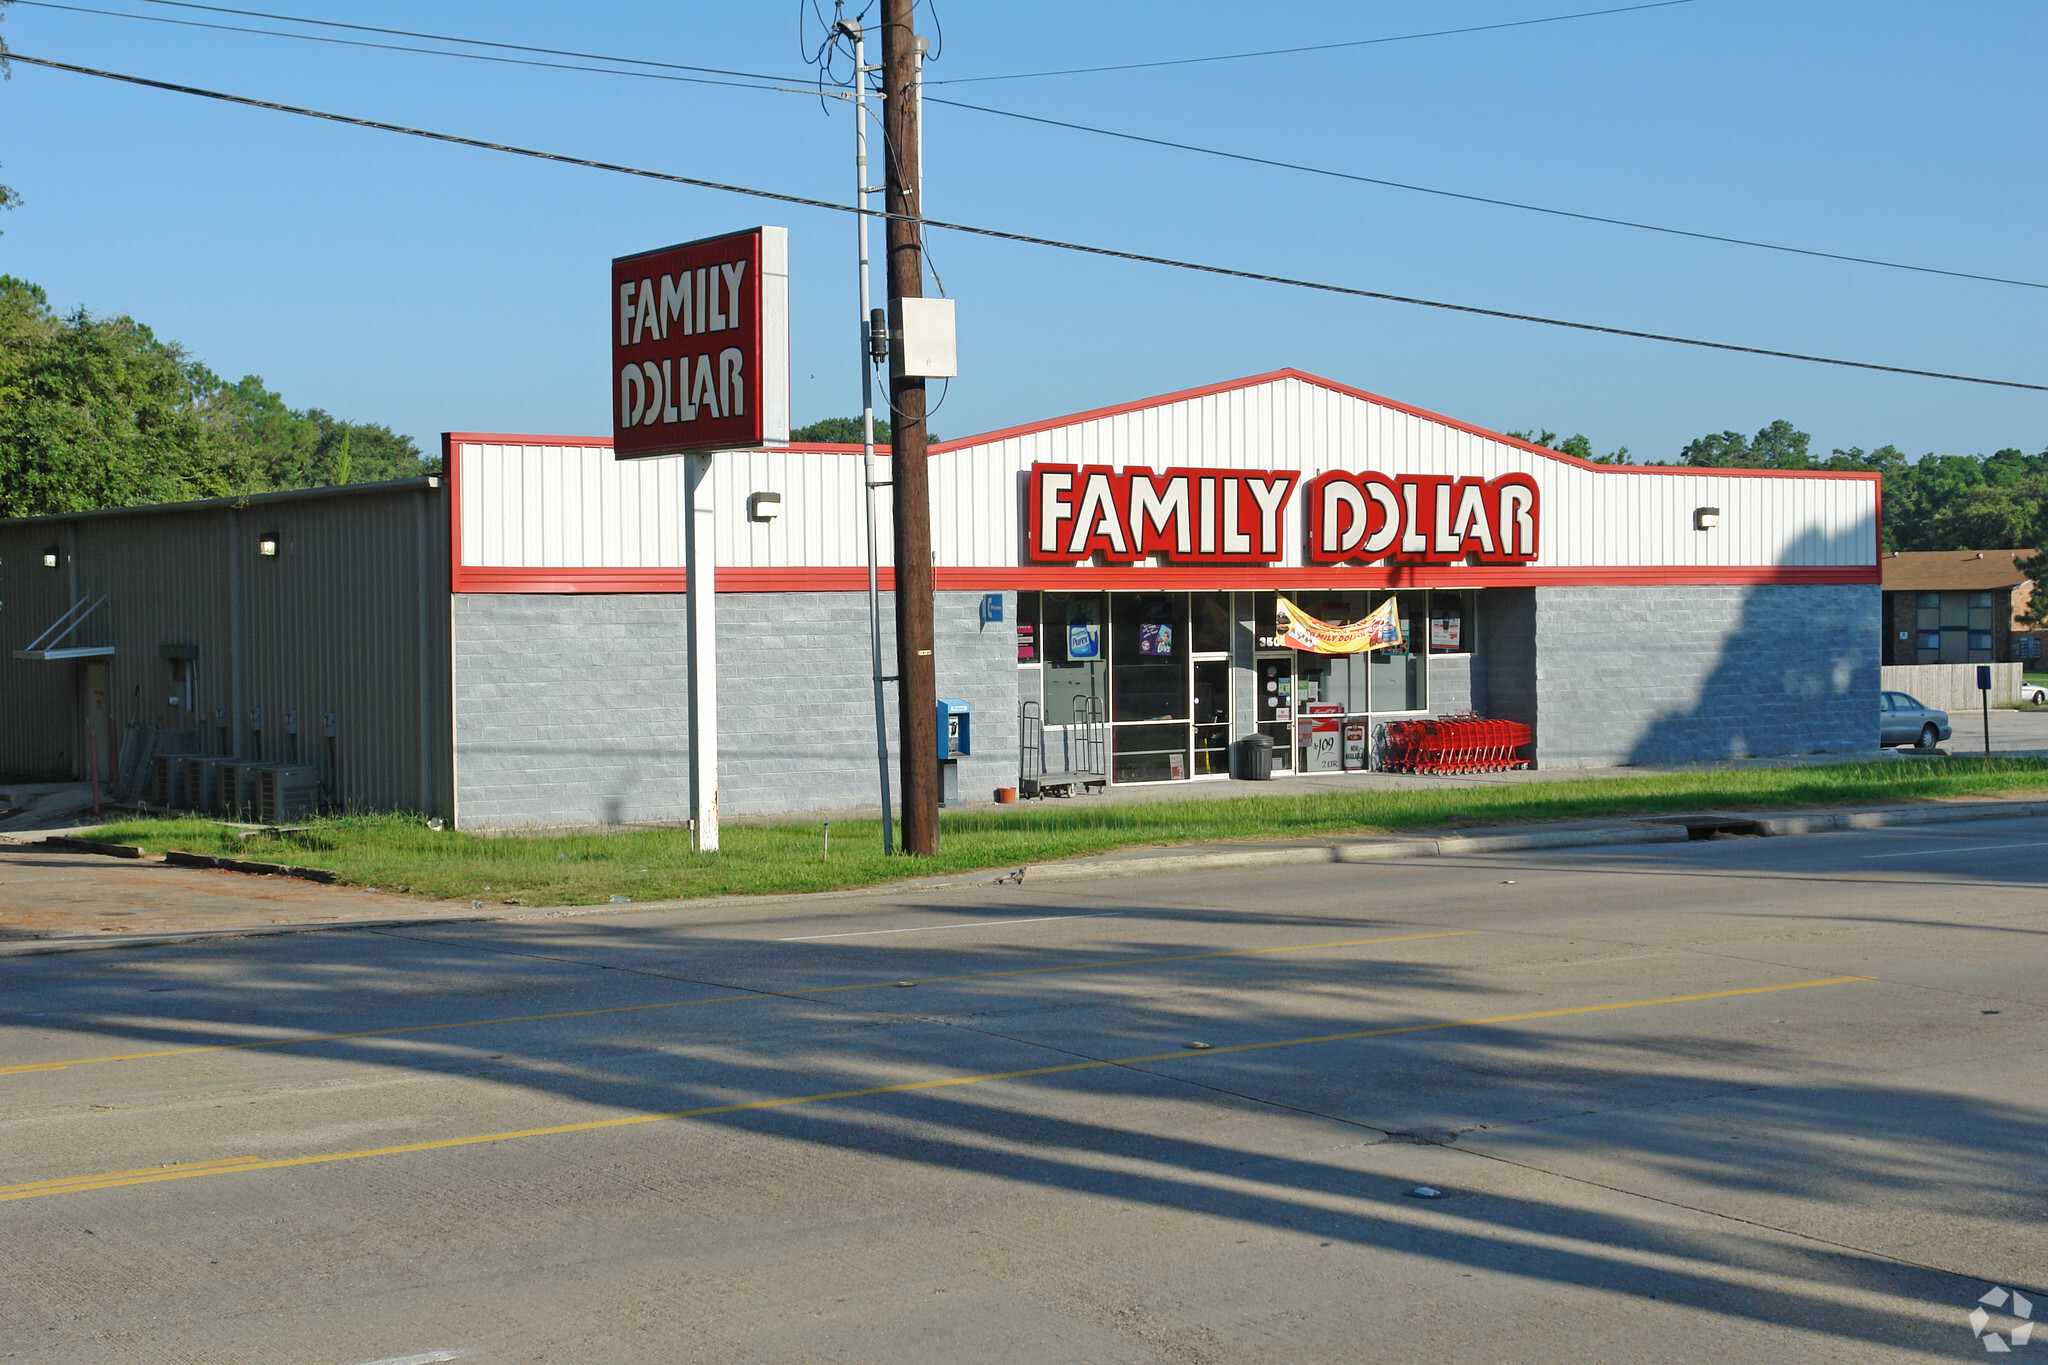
x=98, y=412
x=1937, y=502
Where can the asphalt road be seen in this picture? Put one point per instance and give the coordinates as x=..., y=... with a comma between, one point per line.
x=1742, y=1100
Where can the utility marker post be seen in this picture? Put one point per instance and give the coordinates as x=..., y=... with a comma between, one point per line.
x=1984, y=695
x=917, y=684
x=700, y=586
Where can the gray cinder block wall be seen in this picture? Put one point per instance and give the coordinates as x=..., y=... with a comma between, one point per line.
x=1506, y=652
x=1662, y=675
x=1452, y=684
x=573, y=709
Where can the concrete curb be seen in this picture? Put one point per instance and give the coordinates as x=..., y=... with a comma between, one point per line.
x=1885, y=817
x=1654, y=830
x=1379, y=851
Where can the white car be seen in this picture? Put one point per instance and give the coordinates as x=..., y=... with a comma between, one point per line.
x=2033, y=694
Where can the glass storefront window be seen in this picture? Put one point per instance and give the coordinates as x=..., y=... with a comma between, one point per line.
x=1076, y=654
x=1448, y=625
x=1149, y=753
x=1029, y=605
x=1149, y=656
x=1211, y=623
x=1399, y=680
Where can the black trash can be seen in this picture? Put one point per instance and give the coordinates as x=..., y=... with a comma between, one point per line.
x=1255, y=758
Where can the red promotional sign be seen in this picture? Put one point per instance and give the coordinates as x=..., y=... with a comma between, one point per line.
x=700, y=346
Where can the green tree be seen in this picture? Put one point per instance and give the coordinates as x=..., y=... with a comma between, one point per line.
x=2037, y=603
x=1576, y=444
x=1778, y=446
x=846, y=431
x=97, y=412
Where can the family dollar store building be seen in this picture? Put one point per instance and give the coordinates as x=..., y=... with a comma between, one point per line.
x=506, y=645
x=1117, y=576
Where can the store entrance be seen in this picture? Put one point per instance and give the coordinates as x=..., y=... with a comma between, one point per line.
x=1276, y=680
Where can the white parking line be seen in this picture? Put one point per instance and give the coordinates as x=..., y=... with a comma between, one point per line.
x=1974, y=848
x=965, y=924
x=423, y=1358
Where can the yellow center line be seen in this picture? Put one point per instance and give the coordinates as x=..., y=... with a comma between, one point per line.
x=186, y=1167
x=117, y=1179
x=706, y=1000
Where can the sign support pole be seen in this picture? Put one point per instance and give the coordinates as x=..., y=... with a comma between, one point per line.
x=700, y=588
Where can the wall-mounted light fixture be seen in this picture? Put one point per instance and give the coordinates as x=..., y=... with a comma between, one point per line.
x=764, y=506
x=1705, y=518
x=266, y=544
x=52, y=557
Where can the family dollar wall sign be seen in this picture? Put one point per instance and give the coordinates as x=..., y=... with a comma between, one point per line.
x=700, y=346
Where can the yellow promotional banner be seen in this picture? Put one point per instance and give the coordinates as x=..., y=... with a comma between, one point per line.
x=1380, y=630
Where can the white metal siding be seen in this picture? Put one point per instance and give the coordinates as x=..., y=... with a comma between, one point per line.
x=573, y=506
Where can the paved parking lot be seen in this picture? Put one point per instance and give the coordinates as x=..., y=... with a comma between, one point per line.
x=1732, y=1100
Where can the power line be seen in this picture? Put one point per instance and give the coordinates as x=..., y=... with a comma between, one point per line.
x=743, y=84
x=1477, y=198
x=445, y=38
x=1025, y=238
x=786, y=87
x=1313, y=47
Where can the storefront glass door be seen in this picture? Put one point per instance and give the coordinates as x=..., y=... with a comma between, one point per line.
x=1151, y=702
x=1276, y=705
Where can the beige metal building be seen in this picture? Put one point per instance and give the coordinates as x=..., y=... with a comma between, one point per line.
x=305, y=628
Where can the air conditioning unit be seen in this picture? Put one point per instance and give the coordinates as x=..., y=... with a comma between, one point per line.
x=286, y=793
x=200, y=784
x=235, y=788
x=166, y=780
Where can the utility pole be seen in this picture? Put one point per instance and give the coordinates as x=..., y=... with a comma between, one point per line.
x=917, y=686
x=873, y=349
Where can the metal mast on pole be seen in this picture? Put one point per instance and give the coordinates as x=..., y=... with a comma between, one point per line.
x=868, y=358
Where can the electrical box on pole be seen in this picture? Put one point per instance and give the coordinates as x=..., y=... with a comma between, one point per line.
x=917, y=684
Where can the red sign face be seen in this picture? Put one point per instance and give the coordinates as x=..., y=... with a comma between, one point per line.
x=700, y=346
x=1187, y=514
x=1236, y=516
x=1422, y=518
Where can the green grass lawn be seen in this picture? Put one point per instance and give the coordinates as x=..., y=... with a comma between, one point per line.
x=399, y=853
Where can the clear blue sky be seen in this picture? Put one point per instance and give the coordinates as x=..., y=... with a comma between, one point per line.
x=435, y=288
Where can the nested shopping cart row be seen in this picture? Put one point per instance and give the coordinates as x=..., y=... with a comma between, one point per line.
x=1454, y=744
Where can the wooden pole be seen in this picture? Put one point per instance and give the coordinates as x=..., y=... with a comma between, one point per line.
x=917, y=686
